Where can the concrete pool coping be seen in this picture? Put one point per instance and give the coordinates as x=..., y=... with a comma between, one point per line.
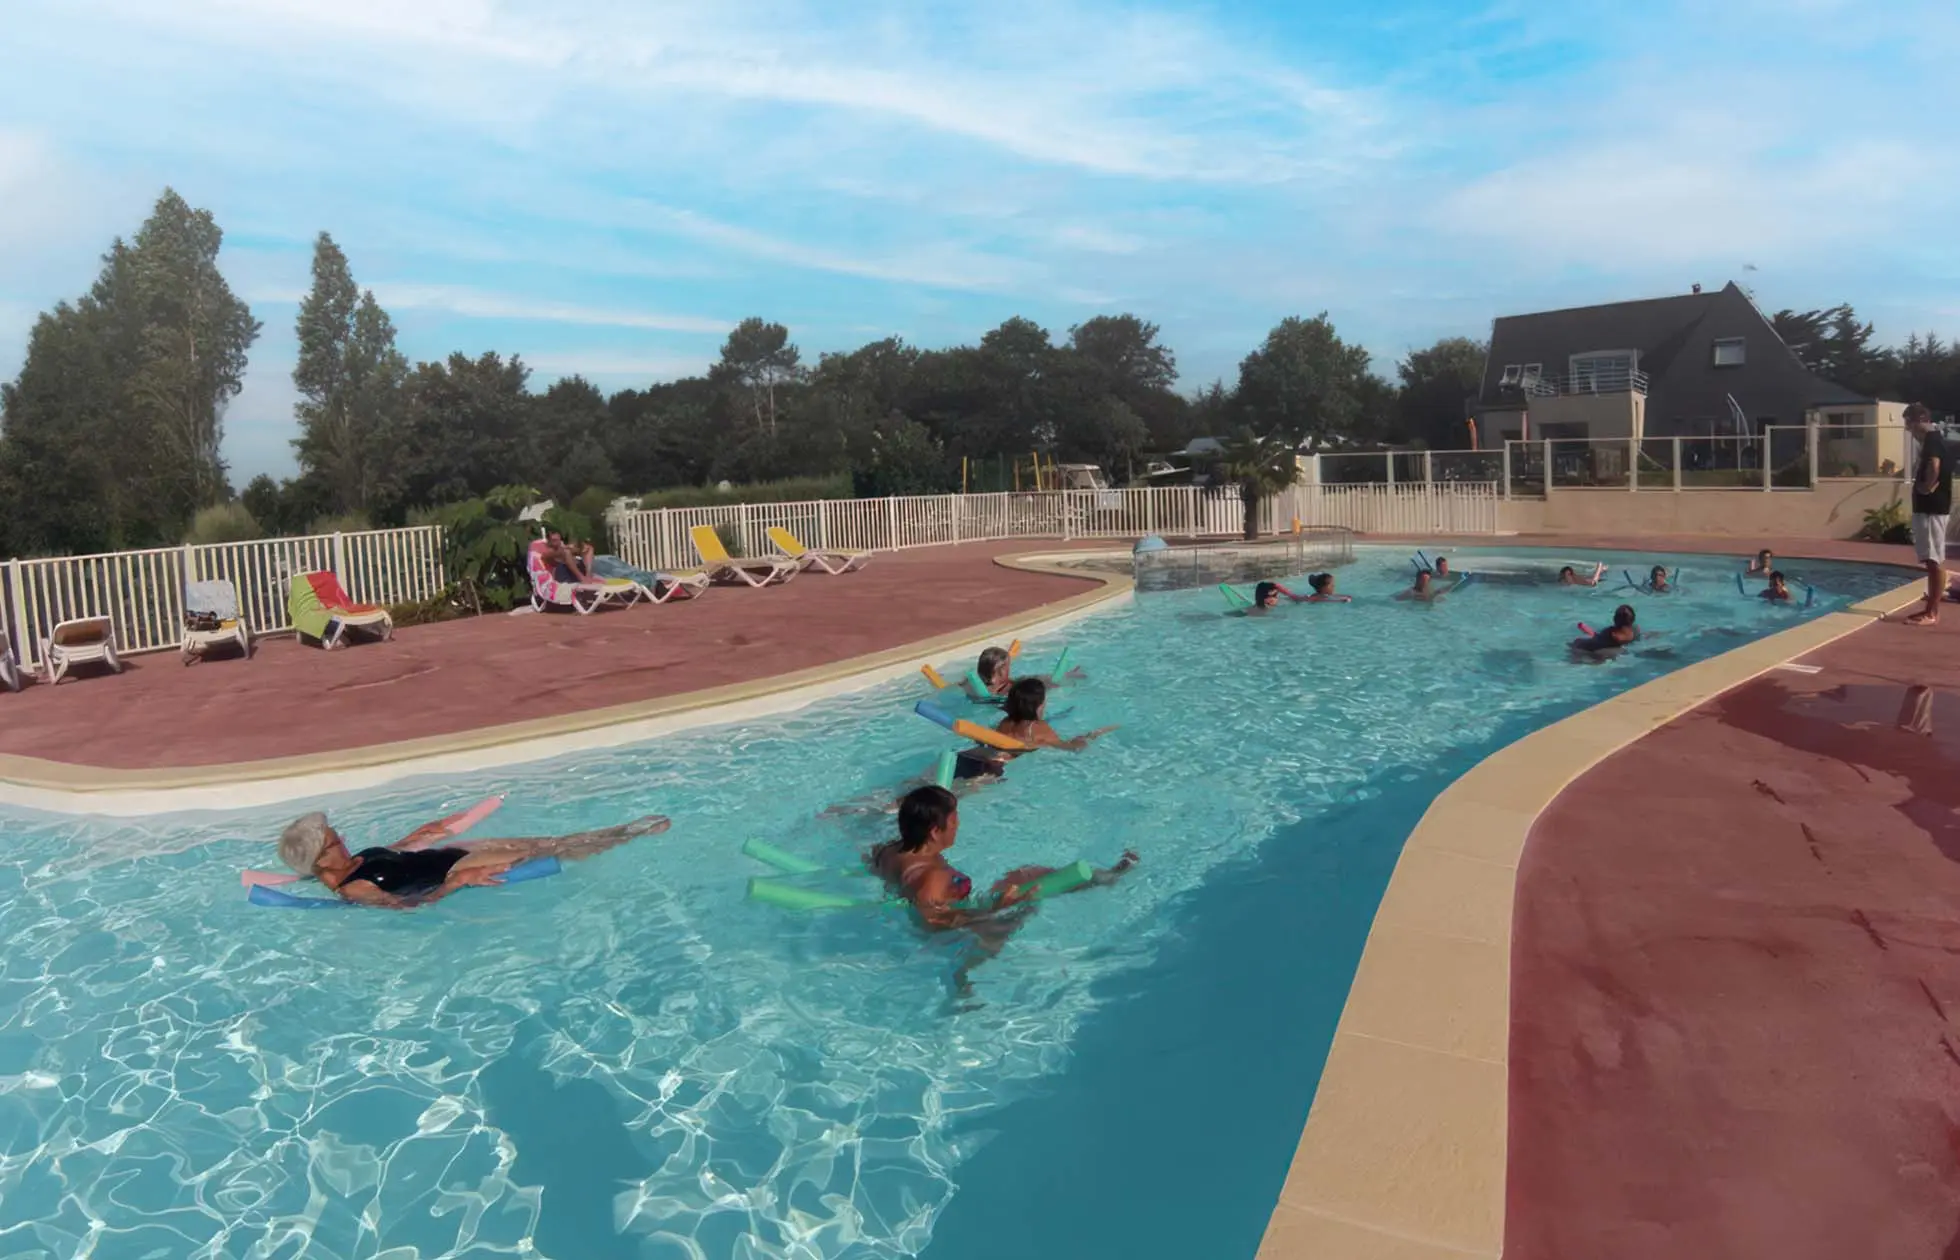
x=1403, y=1156
x=60, y=787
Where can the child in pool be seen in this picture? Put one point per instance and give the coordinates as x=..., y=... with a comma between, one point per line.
x=1265, y=598
x=1612, y=638
x=1323, y=590
x=1763, y=563
x=1568, y=576
x=1657, y=580
x=1423, y=589
x=1778, y=590
x=915, y=867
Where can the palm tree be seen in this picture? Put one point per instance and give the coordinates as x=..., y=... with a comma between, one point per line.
x=1262, y=466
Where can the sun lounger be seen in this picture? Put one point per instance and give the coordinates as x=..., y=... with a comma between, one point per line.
x=719, y=566
x=792, y=548
x=320, y=610
x=216, y=601
x=657, y=587
x=581, y=597
x=9, y=671
x=79, y=642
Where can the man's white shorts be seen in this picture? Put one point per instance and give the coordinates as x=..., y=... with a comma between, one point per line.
x=1929, y=538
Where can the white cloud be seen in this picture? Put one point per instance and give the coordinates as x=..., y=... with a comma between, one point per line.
x=473, y=303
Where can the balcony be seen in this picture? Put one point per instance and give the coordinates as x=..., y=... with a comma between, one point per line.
x=1586, y=382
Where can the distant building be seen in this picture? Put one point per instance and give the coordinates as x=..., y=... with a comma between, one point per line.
x=1693, y=365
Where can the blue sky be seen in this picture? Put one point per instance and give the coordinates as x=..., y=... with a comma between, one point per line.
x=605, y=187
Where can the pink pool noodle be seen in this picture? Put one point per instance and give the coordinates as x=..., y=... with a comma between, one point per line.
x=454, y=825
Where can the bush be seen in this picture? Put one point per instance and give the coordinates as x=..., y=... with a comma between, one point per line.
x=344, y=523
x=1886, y=523
x=483, y=546
x=905, y=458
x=730, y=539
x=223, y=523
x=577, y=527
x=794, y=490
x=445, y=606
x=592, y=502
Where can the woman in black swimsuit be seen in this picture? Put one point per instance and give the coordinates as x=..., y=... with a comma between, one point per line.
x=402, y=878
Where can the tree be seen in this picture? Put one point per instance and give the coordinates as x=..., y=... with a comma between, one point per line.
x=1836, y=346
x=568, y=450
x=349, y=376
x=758, y=359
x=1262, y=466
x=904, y=458
x=192, y=364
x=1304, y=381
x=1438, y=385
x=468, y=427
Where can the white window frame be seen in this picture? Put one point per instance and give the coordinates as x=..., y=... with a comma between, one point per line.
x=1510, y=376
x=1741, y=345
x=1574, y=377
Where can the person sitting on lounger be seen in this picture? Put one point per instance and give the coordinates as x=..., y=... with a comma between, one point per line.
x=1323, y=590
x=1613, y=637
x=1778, y=590
x=401, y=878
x=569, y=562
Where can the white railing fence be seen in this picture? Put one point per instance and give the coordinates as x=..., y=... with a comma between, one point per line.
x=143, y=591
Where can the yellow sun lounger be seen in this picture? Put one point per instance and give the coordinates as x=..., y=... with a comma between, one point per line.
x=791, y=547
x=722, y=567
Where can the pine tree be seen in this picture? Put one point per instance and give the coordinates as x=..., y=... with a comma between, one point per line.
x=349, y=377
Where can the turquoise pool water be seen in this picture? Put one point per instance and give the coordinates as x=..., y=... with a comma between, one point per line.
x=631, y=1060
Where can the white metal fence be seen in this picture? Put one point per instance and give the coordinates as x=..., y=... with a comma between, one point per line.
x=143, y=591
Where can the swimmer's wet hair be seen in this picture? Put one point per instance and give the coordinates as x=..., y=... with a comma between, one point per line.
x=921, y=812
x=300, y=843
x=1623, y=615
x=990, y=662
x=1024, y=700
x=1264, y=589
x=1321, y=581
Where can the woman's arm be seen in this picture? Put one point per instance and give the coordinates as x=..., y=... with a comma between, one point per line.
x=1083, y=741
x=361, y=892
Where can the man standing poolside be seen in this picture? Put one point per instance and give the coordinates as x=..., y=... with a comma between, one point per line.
x=1932, y=503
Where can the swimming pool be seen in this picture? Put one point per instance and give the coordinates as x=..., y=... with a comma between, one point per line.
x=631, y=1060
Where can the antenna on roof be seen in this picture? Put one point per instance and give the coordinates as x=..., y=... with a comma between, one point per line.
x=1697, y=289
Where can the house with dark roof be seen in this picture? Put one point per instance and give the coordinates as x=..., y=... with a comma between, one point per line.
x=1694, y=365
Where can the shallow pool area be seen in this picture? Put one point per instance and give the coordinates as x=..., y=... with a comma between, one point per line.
x=633, y=1060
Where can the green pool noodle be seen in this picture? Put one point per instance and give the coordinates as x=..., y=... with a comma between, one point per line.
x=1061, y=664
x=790, y=897
x=788, y=863
x=973, y=681
x=1232, y=596
x=1065, y=879
x=942, y=774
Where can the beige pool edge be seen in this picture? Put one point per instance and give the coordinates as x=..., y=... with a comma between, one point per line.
x=59, y=787
x=1403, y=1153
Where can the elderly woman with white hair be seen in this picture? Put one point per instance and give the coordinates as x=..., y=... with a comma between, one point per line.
x=402, y=876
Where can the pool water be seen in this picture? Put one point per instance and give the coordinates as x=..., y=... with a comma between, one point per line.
x=633, y=1060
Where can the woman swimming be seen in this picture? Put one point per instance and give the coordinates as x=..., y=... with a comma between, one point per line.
x=1568, y=576
x=996, y=670
x=1323, y=590
x=1762, y=564
x=915, y=867
x=1612, y=638
x=1024, y=719
x=1423, y=589
x=1657, y=580
x=402, y=878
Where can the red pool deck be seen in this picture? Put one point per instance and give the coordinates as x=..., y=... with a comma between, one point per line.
x=462, y=675
x=1735, y=1026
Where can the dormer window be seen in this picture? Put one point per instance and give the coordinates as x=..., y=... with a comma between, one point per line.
x=1730, y=352
x=1510, y=377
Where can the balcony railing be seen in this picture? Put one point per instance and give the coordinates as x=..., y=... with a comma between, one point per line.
x=1614, y=380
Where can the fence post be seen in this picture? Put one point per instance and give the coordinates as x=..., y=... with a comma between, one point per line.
x=1429, y=468
x=24, y=635
x=742, y=528
x=1545, y=450
x=1389, y=459
x=1810, y=451
x=1633, y=465
x=1507, y=470
x=340, y=558
x=823, y=524
x=1768, y=454
x=956, y=501
x=891, y=520
x=1677, y=465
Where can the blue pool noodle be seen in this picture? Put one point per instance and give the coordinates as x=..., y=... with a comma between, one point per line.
x=934, y=714
x=531, y=868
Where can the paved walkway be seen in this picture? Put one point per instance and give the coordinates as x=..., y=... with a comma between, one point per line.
x=1736, y=976
x=462, y=675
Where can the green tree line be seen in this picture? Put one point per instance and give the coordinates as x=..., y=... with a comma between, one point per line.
x=110, y=437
